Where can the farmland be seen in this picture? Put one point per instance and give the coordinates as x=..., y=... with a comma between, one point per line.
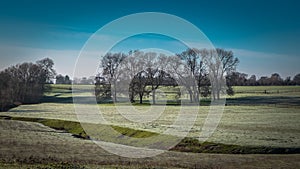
x=255, y=116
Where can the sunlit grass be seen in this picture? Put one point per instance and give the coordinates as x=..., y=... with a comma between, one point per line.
x=250, y=119
x=240, y=125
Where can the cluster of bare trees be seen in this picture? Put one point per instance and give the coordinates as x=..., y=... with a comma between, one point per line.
x=24, y=83
x=241, y=79
x=199, y=72
x=60, y=79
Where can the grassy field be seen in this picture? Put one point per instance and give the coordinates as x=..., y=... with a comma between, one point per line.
x=254, y=119
x=263, y=116
x=32, y=145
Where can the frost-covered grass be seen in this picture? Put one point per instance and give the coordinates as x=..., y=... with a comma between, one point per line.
x=32, y=145
x=248, y=119
x=251, y=118
x=240, y=125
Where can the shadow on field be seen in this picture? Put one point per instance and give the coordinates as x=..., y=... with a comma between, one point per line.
x=264, y=100
x=56, y=99
x=248, y=101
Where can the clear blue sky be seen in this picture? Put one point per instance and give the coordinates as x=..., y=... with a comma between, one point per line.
x=264, y=35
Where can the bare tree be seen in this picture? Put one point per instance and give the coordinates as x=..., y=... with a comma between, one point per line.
x=48, y=70
x=131, y=75
x=236, y=79
x=6, y=91
x=263, y=81
x=193, y=69
x=252, y=80
x=275, y=79
x=220, y=63
x=111, y=69
x=154, y=72
x=190, y=71
x=296, y=79
x=138, y=84
x=24, y=83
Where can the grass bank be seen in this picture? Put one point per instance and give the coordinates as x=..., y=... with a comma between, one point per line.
x=185, y=145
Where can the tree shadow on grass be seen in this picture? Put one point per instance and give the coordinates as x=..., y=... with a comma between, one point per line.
x=264, y=100
x=64, y=100
x=56, y=99
x=283, y=101
x=28, y=110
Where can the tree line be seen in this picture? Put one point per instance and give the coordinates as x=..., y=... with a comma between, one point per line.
x=25, y=83
x=199, y=72
x=235, y=78
x=61, y=79
x=241, y=79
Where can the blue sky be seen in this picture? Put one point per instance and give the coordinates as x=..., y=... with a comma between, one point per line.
x=264, y=35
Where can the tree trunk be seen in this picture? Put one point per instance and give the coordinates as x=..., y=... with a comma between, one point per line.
x=214, y=93
x=141, y=99
x=132, y=97
x=115, y=96
x=195, y=94
x=196, y=97
x=218, y=91
x=191, y=96
x=153, y=97
x=131, y=93
x=115, y=92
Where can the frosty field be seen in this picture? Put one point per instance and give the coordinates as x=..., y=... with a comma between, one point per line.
x=250, y=117
x=253, y=117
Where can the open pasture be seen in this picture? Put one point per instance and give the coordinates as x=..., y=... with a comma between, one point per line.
x=251, y=117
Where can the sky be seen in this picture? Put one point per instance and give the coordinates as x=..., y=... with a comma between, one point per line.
x=264, y=35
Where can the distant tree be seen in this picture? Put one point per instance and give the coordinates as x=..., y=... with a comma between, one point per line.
x=275, y=79
x=110, y=64
x=48, y=70
x=140, y=70
x=60, y=79
x=6, y=91
x=252, y=81
x=188, y=70
x=67, y=80
x=287, y=81
x=296, y=79
x=24, y=83
x=264, y=81
x=232, y=80
x=131, y=69
x=236, y=79
x=154, y=73
x=220, y=63
x=138, y=84
x=204, y=85
x=102, y=88
x=28, y=83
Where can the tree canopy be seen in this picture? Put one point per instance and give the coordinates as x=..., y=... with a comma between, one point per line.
x=24, y=83
x=193, y=69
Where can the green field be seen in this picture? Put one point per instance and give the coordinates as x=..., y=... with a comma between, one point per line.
x=262, y=116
